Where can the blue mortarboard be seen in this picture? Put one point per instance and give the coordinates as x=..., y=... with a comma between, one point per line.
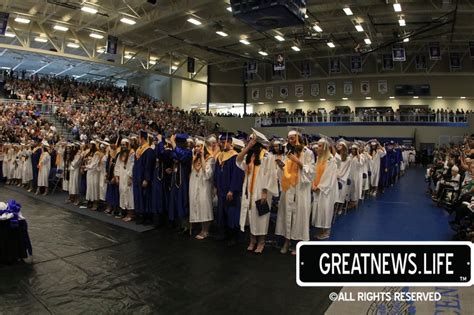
x=226, y=136
x=143, y=134
x=181, y=137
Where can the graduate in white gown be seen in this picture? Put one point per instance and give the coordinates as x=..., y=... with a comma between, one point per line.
x=92, y=177
x=27, y=167
x=376, y=152
x=325, y=189
x=343, y=174
x=201, y=188
x=260, y=185
x=75, y=174
x=104, y=147
x=44, y=167
x=123, y=172
x=357, y=163
x=294, y=209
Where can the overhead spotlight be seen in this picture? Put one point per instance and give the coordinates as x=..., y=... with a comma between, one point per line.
x=359, y=28
x=174, y=68
x=331, y=44
x=344, y=98
x=11, y=35
x=194, y=21
x=397, y=7
x=295, y=48
x=406, y=40
x=392, y=97
x=128, y=21
x=318, y=28
x=368, y=41
x=223, y=34
x=152, y=62
x=322, y=99
x=100, y=50
x=463, y=97
x=244, y=41
x=279, y=38
x=415, y=97
x=22, y=20
x=72, y=45
x=261, y=103
x=368, y=98
x=439, y=97
x=88, y=9
x=229, y=9
x=402, y=22
x=301, y=101
x=347, y=11
x=279, y=102
x=95, y=35
x=41, y=39
x=61, y=28
x=263, y=53
x=306, y=16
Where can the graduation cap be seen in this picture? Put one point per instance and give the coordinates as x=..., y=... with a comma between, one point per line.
x=237, y=143
x=181, y=137
x=199, y=140
x=143, y=134
x=211, y=139
x=344, y=142
x=45, y=143
x=260, y=137
x=294, y=131
x=226, y=136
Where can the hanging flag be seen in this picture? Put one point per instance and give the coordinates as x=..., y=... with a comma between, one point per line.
x=315, y=89
x=3, y=22
x=279, y=63
x=434, y=50
x=387, y=62
x=305, y=69
x=112, y=43
x=299, y=90
x=284, y=91
x=348, y=87
x=356, y=63
x=252, y=67
x=364, y=87
x=255, y=94
x=191, y=62
x=398, y=54
x=334, y=65
x=455, y=61
x=269, y=92
x=382, y=86
x=331, y=88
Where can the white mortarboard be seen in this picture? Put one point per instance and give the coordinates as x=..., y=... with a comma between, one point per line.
x=294, y=131
x=199, y=141
x=260, y=137
x=124, y=140
x=45, y=143
x=455, y=168
x=212, y=139
x=237, y=143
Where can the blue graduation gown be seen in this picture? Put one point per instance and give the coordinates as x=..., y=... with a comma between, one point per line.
x=228, y=177
x=179, y=194
x=391, y=165
x=143, y=170
x=35, y=157
x=161, y=182
x=383, y=180
x=112, y=195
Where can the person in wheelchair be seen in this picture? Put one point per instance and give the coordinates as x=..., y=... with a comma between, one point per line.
x=448, y=186
x=434, y=174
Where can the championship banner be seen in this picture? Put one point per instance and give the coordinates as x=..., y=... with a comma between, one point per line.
x=455, y=61
x=305, y=69
x=356, y=63
x=249, y=76
x=283, y=91
x=334, y=65
x=364, y=87
x=299, y=90
x=382, y=86
x=255, y=94
x=191, y=63
x=252, y=67
x=347, y=87
x=434, y=50
x=398, y=54
x=387, y=62
x=471, y=50
x=269, y=92
x=277, y=74
x=331, y=88
x=112, y=45
x=315, y=89
x=3, y=22
x=279, y=63
x=420, y=62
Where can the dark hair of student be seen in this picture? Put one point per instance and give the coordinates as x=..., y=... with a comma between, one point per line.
x=255, y=150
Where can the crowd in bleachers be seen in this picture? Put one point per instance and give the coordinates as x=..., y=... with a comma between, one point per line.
x=450, y=179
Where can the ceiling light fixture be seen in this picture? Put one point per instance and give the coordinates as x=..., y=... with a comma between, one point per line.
x=22, y=20
x=359, y=28
x=41, y=40
x=229, y=9
x=223, y=34
x=295, y=48
x=463, y=97
x=8, y=34
x=331, y=44
x=415, y=97
x=368, y=41
x=318, y=28
x=439, y=97
x=301, y=101
x=61, y=28
x=128, y=21
x=397, y=7
x=72, y=45
x=194, y=21
x=244, y=41
x=322, y=99
x=402, y=22
x=90, y=10
x=95, y=35
x=347, y=11
x=391, y=97
x=406, y=40
x=368, y=98
x=263, y=53
x=344, y=98
x=279, y=38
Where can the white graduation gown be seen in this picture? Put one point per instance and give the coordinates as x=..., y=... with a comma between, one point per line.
x=375, y=167
x=325, y=198
x=200, y=193
x=356, y=177
x=45, y=167
x=294, y=208
x=102, y=177
x=27, y=168
x=365, y=170
x=124, y=172
x=266, y=178
x=18, y=163
x=75, y=175
x=343, y=173
x=92, y=168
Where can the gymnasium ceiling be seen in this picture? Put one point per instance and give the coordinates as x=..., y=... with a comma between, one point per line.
x=162, y=37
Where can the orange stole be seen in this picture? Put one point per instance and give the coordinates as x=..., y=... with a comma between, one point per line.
x=320, y=168
x=253, y=169
x=141, y=150
x=290, y=175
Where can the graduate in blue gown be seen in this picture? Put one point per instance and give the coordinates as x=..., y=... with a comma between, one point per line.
x=179, y=194
x=35, y=157
x=383, y=180
x=228, y=180
x=161, y=183
x=112, y=194
x=391, y=163
x=142, y=180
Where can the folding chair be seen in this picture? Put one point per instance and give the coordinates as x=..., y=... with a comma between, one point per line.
x=55, y=178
